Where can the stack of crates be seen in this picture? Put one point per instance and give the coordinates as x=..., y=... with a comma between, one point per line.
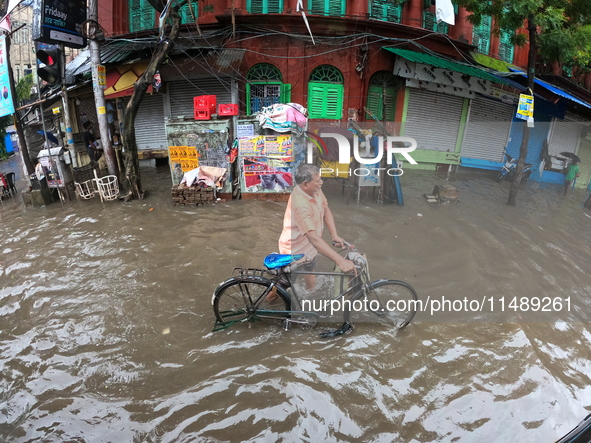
x=204, y=106
x=186, y=156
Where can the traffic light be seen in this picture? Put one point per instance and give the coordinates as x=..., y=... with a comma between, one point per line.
x=52, y=71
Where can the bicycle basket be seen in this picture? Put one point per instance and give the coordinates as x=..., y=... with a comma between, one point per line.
x=342, y=283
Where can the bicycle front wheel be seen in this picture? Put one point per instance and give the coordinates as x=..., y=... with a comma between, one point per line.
x=240, y=299
x=392, y=302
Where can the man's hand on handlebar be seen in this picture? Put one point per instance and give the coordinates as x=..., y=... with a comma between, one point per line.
x=340, y=242
x=346, y=266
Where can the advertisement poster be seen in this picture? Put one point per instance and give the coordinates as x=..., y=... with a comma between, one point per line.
x=279, y=146
x=252, y=147
x=6, y=103
x=525, y=108
x=261, y=174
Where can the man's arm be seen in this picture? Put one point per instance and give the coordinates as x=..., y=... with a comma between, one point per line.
x=332, y=227
x=322, y=247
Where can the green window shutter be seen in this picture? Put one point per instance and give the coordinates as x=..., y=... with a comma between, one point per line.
x=389, y=104
x=325, y=100
x=327, y=7
x=285, y=96
x=316, y=6
x=430, y=22
x=141, y=15
x=381, y=102
x=264, y=6
x=334, y=101
x=481, y=35
x=374, y=101
x=316, y=97
x=336, y=8
x=506, y=48
x=385, y=10
x=189, y=13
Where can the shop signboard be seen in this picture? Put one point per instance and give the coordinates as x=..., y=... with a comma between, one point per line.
x=6, y=102
x=58, y=21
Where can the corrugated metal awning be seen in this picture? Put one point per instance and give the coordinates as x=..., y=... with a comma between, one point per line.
x=439, y=62
x=555, y=90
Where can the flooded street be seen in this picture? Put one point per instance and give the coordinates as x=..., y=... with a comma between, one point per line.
x=106, y=320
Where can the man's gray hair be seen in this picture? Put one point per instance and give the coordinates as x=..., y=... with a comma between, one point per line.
x=306, y=173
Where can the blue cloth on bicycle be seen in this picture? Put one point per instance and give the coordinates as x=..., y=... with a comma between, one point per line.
x=274, y=261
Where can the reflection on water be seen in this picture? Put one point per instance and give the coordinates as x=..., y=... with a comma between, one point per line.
x=105, y=323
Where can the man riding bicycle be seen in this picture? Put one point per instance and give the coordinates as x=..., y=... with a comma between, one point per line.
x=303, y=224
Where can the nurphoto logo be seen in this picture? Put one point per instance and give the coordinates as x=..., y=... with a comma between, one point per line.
x=371, y=162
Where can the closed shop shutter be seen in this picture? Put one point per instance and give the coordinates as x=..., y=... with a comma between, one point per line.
x=487, y=131
x=149, y=123
x=585, y=165
x=537, y=136
x=182, y=92
x=565, y=136
x=433, y=120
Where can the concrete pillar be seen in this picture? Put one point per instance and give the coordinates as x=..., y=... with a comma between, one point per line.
x=357, y=9
x=413, y=13
x=290, y=5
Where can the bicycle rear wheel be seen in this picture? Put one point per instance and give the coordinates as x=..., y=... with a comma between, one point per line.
x=250, y=299
x=391, y=302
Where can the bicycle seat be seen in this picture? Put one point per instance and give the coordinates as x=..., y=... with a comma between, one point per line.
x=274, y=261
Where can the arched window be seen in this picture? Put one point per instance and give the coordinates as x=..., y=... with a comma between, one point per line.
x=325, y=93
x=264, y=87
x=264, y=6
x=381, y=96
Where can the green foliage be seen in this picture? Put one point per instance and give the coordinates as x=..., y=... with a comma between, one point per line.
x=23, y=88
x=563, y=25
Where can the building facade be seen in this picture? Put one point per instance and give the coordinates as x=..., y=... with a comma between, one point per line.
x=340, y=58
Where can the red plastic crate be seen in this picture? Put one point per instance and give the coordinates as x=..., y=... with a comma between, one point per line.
x=205, y=102
x=227, y=109
x=202, y=114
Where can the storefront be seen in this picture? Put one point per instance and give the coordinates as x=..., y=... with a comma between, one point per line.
x=437, y=105
x=487, y=132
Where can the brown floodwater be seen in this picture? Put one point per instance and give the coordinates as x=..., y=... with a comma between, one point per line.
x=106, y=322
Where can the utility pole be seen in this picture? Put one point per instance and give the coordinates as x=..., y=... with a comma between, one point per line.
x=99, y=94
x=66, y=105
x=17, y=123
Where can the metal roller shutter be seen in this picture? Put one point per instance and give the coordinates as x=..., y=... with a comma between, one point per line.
x=433, y=119
x=149, y=123
x=182, y=92
x=585, y=165
x=488, y=128
x=565, y=136
x=537, y=136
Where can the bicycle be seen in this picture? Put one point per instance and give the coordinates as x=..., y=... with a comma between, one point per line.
x=261, y=295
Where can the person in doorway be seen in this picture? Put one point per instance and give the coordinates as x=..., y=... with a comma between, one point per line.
x=303, y=223
x=90, y=142
x=571, y=174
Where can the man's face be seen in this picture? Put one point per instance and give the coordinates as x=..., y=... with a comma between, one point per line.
x=312, y=187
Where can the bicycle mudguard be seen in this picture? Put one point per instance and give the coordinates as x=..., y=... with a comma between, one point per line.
x=347, y=327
